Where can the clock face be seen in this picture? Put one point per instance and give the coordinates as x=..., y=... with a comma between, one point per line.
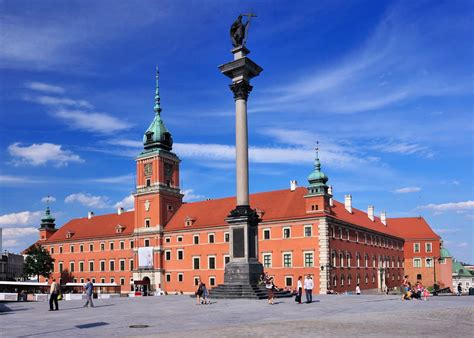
x=168, y=169
x=148, y=169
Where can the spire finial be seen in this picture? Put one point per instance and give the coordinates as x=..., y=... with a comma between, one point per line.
x=317, y=150
x=317, y=164
x=157, y=107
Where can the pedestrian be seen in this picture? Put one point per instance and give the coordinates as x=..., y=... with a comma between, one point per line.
x=53, y=296
x=205, y=294
x=199, y=293
x=299, y=290
x=357, y=289
x=405, y=287
x=459, y=289
x=308, y=289
x=270, y=289
x=89, y=287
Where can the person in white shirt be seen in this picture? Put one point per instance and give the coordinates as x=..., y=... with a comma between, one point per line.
x=299, y=290
x=308, y=289
x=357, y=289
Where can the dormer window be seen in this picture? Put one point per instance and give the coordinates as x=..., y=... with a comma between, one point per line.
x=149, y=136
x=69, y=234
x=119, y=228
x=188, y=221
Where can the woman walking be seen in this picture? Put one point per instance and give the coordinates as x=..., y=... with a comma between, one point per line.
x=270, y=288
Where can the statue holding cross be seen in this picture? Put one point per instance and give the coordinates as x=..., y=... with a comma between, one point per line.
x=239, y=30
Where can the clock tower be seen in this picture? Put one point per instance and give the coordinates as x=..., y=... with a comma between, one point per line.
x=157, y=195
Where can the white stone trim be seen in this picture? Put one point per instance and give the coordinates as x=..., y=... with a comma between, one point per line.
x=324, y=255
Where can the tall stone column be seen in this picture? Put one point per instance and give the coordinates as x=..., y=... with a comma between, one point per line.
x=243, y=268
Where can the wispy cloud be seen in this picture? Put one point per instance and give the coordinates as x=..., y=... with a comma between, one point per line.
x=113, y=179
x=48, y=199
x=447, y=230
x=41, y=154
x=453, y=206
x=407, y=190
x=190, y=195
x=44, y=87
x=126, y=203
x=398, y=147
x=9, y=179
x=21, y=218
x=58, y=101
x=88, y=200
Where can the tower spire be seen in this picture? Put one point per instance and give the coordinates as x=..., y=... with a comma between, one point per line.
x=157, y=107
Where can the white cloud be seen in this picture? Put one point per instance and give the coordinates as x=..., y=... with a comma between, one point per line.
x=446, y=230
x=8, y=179
x=21, y=218
x=127, y=203
x=407, y=190
x=114, y=179
x=101, y=123
x=126, y=143
x=40, y=154
x=15, y=233
x=398, y=147
x=189, y=195
x=454, y=206
x=49, y=199
x=58, y=101
x=88, y=200
x=44, y=87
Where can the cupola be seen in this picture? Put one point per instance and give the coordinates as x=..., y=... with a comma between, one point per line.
x=318, y=197
x=48, y=226
x=157, y=136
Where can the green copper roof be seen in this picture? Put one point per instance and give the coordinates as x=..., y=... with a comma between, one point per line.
x=444, y=253
x=317, y=177
x=157, y=136
x=47, y=221
x=461, y=271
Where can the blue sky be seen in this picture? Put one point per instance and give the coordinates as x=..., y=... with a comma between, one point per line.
x=386, y=87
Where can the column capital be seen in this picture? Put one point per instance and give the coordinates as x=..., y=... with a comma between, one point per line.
x=241, y=90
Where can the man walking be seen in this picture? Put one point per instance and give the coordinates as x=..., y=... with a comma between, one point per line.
x=308, y=289
x=53, y=296
x=89, y=287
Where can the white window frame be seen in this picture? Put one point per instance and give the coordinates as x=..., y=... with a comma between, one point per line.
x=226, y=237
x=100, y=265
x=167, y=239
x=124, y=265
x=271, y=259
x=414, y=247
x=209, y=238
x=179, y=239
x=89, y=266
x=310, y=226
x=179, y=276
x=226, y=257
x=168, y=277
x=194, y=239
x=110, y=262
x=417, y=259
x=177, y=254
x=209, y=261
x=304, y=259
x=212, y=278
x=283, y=232
x=167, y=252
x=122, y=281
x=199, y=258
x=431, y=260
x=283, y=259
x=122, y=245
x=147, y=223
x=290, y=277
x=431, y=247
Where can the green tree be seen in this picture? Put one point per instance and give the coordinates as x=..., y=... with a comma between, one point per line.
x=38, y=262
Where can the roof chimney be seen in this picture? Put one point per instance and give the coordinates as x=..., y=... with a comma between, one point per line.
x=331, y=202
x=370, y=212
x=119, y=211
x=293, y=185
x=348, y=202
x=383, y=217
x=90, y=214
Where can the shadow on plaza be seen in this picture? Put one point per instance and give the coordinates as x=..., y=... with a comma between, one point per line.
x=4, y=309
x=85, y=308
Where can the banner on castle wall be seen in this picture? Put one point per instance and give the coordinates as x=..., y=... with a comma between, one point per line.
x=145, y=258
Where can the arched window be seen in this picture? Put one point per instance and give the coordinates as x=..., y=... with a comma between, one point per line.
x=349, y=279
x=366, y=279
x=334, y=260
x=358, y=259
x=342, y=280
x=373, y=261
x=341, y=259
x=334, y=280
x=373, y=278
x=348, y=259
x=358, y=279
x=366, y=259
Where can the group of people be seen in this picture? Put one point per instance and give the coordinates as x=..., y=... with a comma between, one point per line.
x=417, y=291
x=55, y=294
x=308, y=285
x=202, y=294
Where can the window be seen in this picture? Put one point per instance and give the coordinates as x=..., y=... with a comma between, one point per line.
x=132, y=244
x=210, y=238
x=348, y=259
x=112, y=265
x=308, y=259
x=52, y=250
x=147, y=242
x=334, y=259
x=314, y=207
x=168, y=277
x=288, y=281
x=60, y=267
x=179, y=238
x=366, y=258
x=122, y=281
x=131, y=265
x=180, y=253
x=71, y=248
x=81, y=248
x=211, y=260
x=417, y=262
x=196, y=239
x=287, y=260
x=308, y=231
x=180, y=277
x=341, y=259
x=148, y=182
x=102, y=246
x=112, y=280
x=147, y=223
x=416, y=247
x=167, y=239
x=334, y=281
x=71, y=267
x=226, y=237
x=212, y=281
x=429, y=262
x=358, y=279
x=357, y=240
x=333, y=232
x=418, y=276
x=286, y=232
x=373, y=278
x=91, y=247
x=349, y=280
x=196, y=263
x=340, y=233
x=366, y=279
x=91, y=266
x=81, y=266
x=365, y=239
x=266, y=233
x=226, y=259
x=102, y=280
x=168, y=255
x=122, y=265
x=122, y=245
x=357, y=259
x=111, y=246
x=348, y=237
x=102, y=265
x=196, y=281
x=60, y=249
x=82, y=280
x=342, y=280
x=267, y=260
x=428, y=247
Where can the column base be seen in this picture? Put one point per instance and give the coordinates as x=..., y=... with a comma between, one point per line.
x=242, y=273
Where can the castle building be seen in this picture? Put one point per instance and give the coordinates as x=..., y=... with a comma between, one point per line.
x=168, y=245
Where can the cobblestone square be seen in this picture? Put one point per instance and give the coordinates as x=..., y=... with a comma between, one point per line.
x=178, y=316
